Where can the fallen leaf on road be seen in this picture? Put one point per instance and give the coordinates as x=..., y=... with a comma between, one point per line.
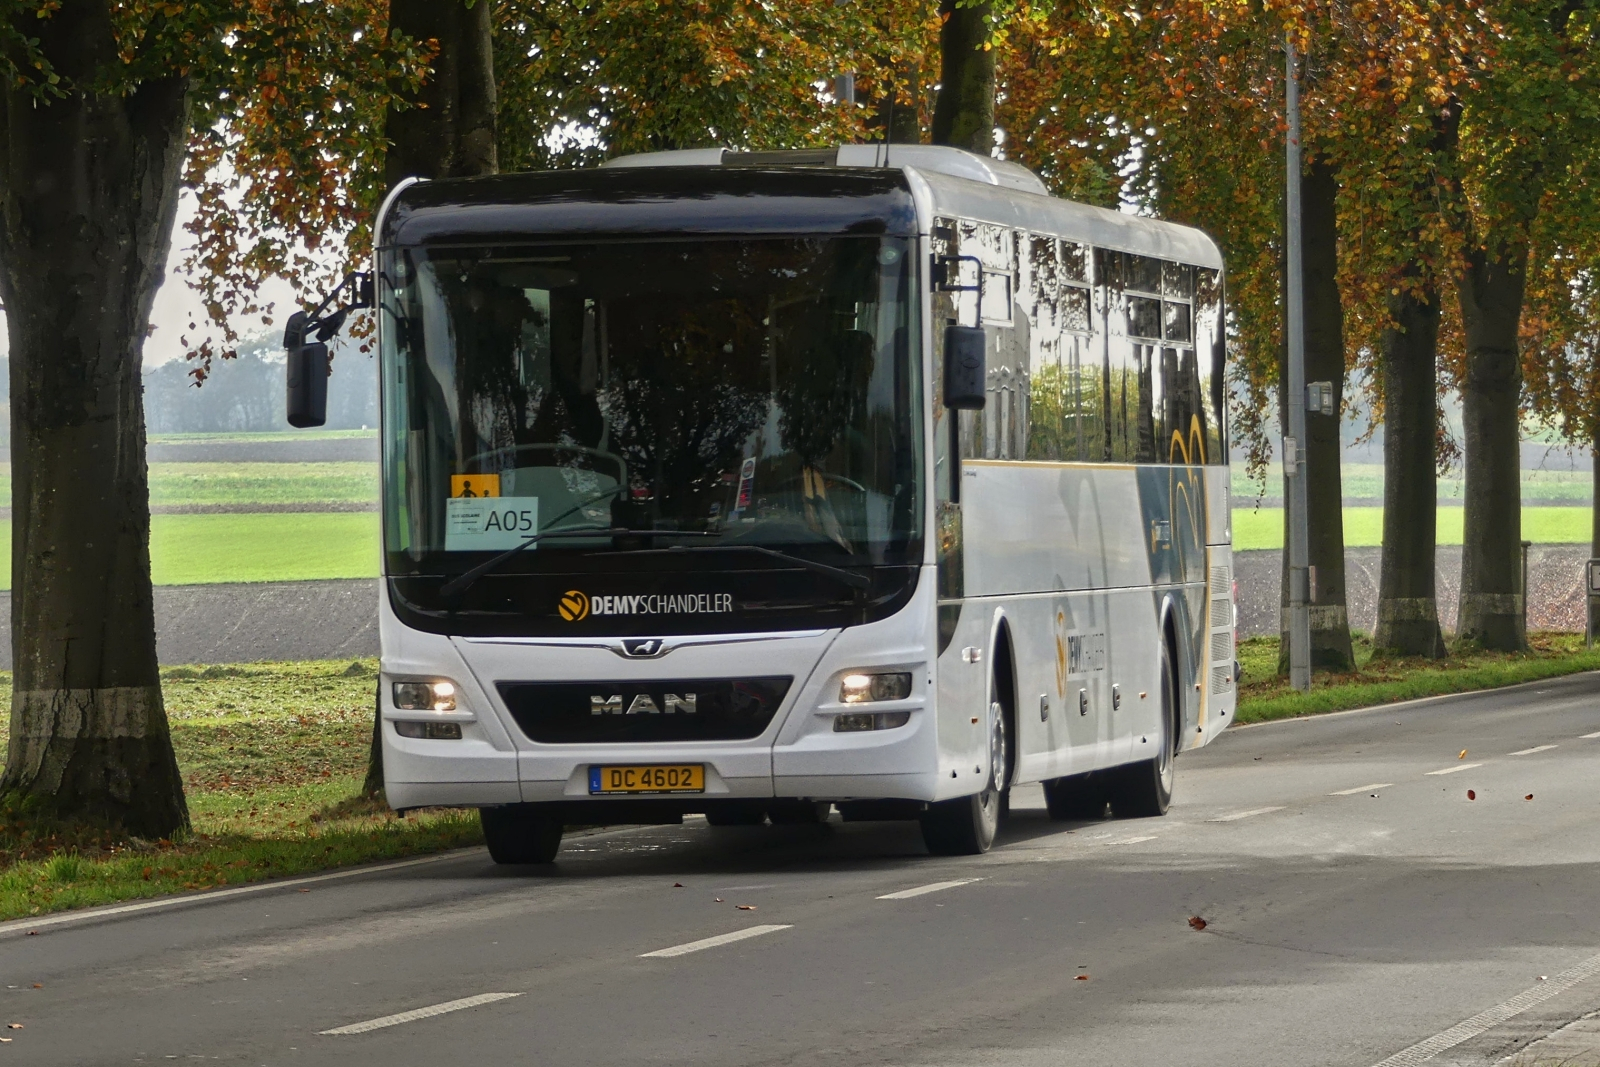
x=33, y=933
x=1081, y=978
x=37, y=985
x=7, y=1040
x=677, y=885
x=1543, y=978
x=305, y=890
x=1528, y=797
x=1463, y=754
x=1197, y=922
x=745, y=907
x=717, y=900
x=13, y=1026
x=1472, y=794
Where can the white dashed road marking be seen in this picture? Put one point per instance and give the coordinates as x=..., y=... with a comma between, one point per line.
x=907, y=894
x=418, y=1013
x=1360, y=789
x=713, y=942
x=1486, y=1020
x=1535, y=748
x=1131, y=840
x=1589, y=737
x=1458, y=767
x=1244, y=814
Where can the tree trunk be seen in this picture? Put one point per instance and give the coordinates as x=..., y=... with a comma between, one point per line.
x=1408, y=614
x=1330, y=619
x=963, y=113
x=448, y=131
x=88, y=197
x=1492, y=613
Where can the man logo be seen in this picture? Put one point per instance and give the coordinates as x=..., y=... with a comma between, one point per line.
x=574, y=606
x=639, y=649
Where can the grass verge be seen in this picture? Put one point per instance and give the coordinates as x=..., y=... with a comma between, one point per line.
x=272, y=756
x=1265, y=695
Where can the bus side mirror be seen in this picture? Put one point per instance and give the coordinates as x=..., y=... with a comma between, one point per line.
x=964, y=367
x=308, y=375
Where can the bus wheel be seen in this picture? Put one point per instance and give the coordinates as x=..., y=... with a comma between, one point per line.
x=966, y=826
x=520, y=833
x=1080, y=798
x=1143, y=790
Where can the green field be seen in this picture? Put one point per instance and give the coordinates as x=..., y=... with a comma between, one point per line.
x=243, y=484
x=1263, y=528
x=1364, y=481
x=279, y=547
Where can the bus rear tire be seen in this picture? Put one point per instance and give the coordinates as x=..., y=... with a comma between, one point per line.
x=1144, y=790
x=520, y=834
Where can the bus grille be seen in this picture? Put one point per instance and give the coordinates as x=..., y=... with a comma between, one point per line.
x=682, y=709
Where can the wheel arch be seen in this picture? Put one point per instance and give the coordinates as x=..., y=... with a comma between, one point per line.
x=1001, y=686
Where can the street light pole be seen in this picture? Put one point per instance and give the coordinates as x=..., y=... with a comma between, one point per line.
x=1294, y=447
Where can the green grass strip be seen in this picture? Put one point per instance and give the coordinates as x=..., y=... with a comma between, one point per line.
x=1363, y=527
x=1264, y=695
x=278, y=547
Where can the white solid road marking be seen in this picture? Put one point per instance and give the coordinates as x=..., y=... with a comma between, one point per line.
x=418, y=1013
x=1423, y=1051
x=1244, y=814
x=713, y=942
x=1360, y=789
x=907, y=894
x=1535, y=748
x=1458, y=767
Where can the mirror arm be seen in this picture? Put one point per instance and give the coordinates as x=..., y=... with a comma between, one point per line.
x=358, y=285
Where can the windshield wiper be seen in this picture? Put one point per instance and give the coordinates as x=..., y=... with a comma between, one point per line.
x=839, y=574
x=463, y=581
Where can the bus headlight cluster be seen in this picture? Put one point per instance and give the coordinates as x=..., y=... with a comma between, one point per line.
x=425, y=696
x=861, y=688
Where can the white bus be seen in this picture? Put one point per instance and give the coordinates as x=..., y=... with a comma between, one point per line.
x=754, y=484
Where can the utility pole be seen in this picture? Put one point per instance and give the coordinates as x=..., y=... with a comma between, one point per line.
x=1294, y=448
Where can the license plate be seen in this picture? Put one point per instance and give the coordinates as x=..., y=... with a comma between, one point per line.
x=652, y=778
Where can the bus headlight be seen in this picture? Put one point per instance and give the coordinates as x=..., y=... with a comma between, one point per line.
x=861, y=688
x=425, y=696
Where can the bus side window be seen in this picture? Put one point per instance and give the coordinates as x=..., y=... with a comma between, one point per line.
x=1211, y=352
x=1124, y=359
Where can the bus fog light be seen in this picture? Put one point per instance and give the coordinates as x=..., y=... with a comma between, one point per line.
x=433, y=731
x=425, y=696
x=861, y=688
x=855, y=722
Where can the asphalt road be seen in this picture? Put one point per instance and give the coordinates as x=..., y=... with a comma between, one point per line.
x=1357, y=903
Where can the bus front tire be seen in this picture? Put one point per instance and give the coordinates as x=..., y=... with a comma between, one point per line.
x=520, y=834
x=966, y=826
x=1144, y=790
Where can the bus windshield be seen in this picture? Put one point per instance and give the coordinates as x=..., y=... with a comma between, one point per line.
x=727, y=391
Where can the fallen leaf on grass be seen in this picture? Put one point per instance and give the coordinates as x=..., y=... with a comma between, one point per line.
x=1197, y=922
x=1472, y=794
x=745, y=907
x=1463, y=754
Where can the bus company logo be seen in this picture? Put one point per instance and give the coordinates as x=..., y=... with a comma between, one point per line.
x=574, y=606
x=654, y=604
